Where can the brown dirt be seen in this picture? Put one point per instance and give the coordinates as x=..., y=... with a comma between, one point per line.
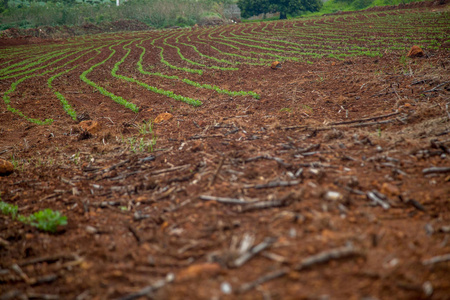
x=18, y=36
x=136, y=217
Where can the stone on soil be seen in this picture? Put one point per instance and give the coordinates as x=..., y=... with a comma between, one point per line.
x=275, y=65
x=163, y=117
x=415, y=51
x=6, y=167
x=90, y=126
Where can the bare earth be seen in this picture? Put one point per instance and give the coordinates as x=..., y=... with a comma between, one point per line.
x=330, y=181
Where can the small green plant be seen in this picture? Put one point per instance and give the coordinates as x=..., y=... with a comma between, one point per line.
x=307, y=107
x=45, y=220
x=142, y=145
x=286, y=109
x=14, y=161
x=8, y=209
x=403, y=60
x=146, y=128
x=76, y=158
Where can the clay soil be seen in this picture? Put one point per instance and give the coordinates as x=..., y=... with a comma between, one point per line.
x=331, y=178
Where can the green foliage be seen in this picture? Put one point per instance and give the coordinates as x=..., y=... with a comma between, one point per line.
x=141, y=145
x=66, y=106
x=347, y=5
x=191, y=82
x=255, y=7
x=45, y=220
x=8, y=209
x=156, y=13
x=146, y=128
x=102, y=90
x=170, y=94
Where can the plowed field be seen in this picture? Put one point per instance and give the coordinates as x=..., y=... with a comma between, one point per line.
x=324, y=178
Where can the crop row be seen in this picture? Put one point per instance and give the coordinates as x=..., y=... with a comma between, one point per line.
x=182, y=57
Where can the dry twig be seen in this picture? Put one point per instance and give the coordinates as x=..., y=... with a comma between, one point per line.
x=273, y=184
x=436, y=87
x=373, y=195
x=241, y=260
x=284, y=201
x=157, y=172
x=225, y=200
x=366, y=119
x=277, y=159
x=322, y=257
x=149, y=289
x=436, y=170
x=326, y=256
x=213, y=179
x=436, y=259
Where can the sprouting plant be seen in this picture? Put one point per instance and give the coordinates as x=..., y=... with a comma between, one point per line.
x=307, y=107
x=46, y=220
x=152, y=143
x=8, y=209
x=141, y=145
x=76, y=158
x=146, y=128
x=403, y=60
x=14, y=161
x=286, y=109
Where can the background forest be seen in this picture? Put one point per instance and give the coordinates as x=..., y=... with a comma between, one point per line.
x=161, y=13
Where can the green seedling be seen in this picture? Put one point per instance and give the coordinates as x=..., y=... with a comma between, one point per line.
x=45, y=220
x=307, y=107
x=8, y=209
x=14, y=161
x=146, y=128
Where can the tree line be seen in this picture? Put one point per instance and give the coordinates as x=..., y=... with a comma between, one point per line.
x=284, y=7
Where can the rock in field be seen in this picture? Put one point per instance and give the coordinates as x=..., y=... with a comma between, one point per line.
x=415, y=51
x=90, y=126
x=6, y=167
x=163, y=117
x=275, y=65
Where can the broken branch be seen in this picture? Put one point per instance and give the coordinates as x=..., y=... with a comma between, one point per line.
x=225, y=200
x=366, y=119
x=436, y=259
x=436, y=170
x=326, y=256
x=241, y=260
x=273, y=184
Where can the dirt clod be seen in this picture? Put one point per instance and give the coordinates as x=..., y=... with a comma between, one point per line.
x=90, y=126
x=163, y=117
x=6, y=168
x=415, y=51
x=275, y=65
